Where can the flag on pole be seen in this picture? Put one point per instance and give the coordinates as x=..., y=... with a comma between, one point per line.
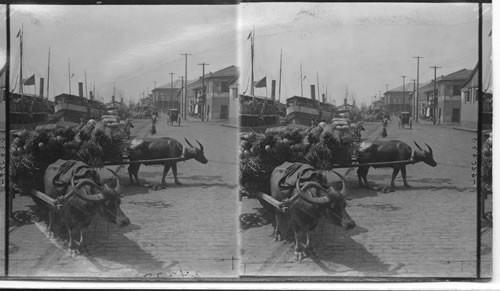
x=18, y=33
x=261, y=83
x=72, y=75
x=249, y=35
x=30, y=81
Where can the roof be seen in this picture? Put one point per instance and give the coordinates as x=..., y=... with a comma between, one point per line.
x=176, y=85
x=231, y=71
x=408, y=88
x=462, y=74
x=2, y=76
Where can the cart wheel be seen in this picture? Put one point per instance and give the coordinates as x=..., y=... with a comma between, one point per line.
x=410, y=124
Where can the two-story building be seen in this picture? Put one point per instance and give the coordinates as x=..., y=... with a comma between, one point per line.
x=215, y=105
x=399, y=99
x=3, y=96
x=234, y=102
x=470, y=101
x=448, y=92
x=168, y=96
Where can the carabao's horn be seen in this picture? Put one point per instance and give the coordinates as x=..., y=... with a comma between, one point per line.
x=118, y=189
x=201, y=146
x=418, y=146
x=430, y=150
x=83, y=194
x=343, y=192
x=308, y=197
x=187, y=141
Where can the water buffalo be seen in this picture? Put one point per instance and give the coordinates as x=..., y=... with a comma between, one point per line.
x=388, y=151
x=310, y=199
x=161, y=148
x=83, y=197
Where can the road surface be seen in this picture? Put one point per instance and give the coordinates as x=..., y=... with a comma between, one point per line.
x=183, y=231
x=428, y=230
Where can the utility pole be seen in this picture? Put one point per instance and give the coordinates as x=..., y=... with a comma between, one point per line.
x=203, y=96
x=418, y=85
x=171, y=89
x=182, y=91
x=414, y=98
x=185, y=85
x=155, y=98
x=435, y=96
x=404, y=92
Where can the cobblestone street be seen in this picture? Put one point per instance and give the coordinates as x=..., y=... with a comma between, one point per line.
x=428, y=230
x=183, y=231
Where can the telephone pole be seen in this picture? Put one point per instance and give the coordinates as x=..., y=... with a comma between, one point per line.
x=155, y=98
x=203, y=96
x=414, y=97
x=435, y=98
x=182, y=91
x=171, y=89
x=404, y=92
x=185, y=85
x=418, y=85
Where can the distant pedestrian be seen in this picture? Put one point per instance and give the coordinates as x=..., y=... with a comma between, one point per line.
x=154, y=117
x=384, y=127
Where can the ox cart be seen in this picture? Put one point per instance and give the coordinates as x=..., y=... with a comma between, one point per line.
x=174, y=117
x=404, y=120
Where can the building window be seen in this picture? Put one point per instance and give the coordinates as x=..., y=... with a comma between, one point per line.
x=471, y=93
x=466, y=96
x=456, y=90
x=224, y=87
x=475, y=94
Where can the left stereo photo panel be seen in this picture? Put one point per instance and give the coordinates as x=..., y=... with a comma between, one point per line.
x=3, y=62
x=93, y=89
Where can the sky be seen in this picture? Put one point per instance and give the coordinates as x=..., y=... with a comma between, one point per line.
x=126, y=47
x=361, y=48
x=357, y=47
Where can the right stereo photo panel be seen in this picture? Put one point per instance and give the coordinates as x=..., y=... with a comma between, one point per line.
x=361, y=139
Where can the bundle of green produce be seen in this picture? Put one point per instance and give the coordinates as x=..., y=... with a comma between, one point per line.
x=32, y=151
x=321, y=147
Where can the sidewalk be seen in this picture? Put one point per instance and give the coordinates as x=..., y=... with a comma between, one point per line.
x=452, y=125
x=221, y=122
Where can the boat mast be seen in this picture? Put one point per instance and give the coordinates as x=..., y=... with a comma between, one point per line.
x=301, y=88
x=252, y=56
x=48, y=75
x=279, y=90
x=317, y=82
x=21, y=61
x=86, y=90
x=69, y=76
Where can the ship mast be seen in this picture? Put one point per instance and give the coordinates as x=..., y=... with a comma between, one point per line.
x=252, y=56
x=279, y=90
x=20, y=34
x=48, y=76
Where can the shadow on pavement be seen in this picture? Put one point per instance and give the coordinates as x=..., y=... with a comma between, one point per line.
x=109, y=242
x=339, y=248
x=256, y=219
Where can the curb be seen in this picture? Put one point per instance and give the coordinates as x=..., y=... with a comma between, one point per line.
x=465, y=129
x=230, y=125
